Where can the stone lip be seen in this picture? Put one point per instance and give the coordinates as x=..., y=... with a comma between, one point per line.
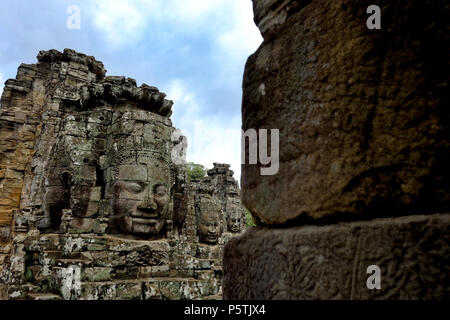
x=69, y=55
x=331, y=262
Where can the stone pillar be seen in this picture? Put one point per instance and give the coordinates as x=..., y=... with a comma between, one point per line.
x=363, y=153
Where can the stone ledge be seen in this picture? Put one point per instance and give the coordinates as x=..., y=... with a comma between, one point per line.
x=330, y=262
x=270, y=15
x=69, y=55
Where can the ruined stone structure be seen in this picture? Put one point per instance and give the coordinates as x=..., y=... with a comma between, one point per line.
x=94, y=203
x=364, y=151
x=219, y=192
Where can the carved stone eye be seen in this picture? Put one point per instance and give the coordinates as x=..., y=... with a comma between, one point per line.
x=135, y=187
x=160, y=190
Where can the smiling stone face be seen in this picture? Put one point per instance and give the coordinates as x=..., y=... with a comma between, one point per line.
x=234, y=215
x=234, y=222
x=209, y=224
x=141, y=199
x=140, y=178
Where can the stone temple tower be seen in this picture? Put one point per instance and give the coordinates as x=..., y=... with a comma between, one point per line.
x=94, y=200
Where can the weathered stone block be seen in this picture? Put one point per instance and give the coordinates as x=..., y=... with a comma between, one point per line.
x=160, y=271
x=44, y=242
x=133, y=173
x=362, y=124
x=96, y=274
x=84, y=176
x=75, y=128
x=99, y=227
x=129, y=291
x=181, y=262
x=171, y=289
x=204, y=275
x=151, y=290
x=98, y=291
x=84, y=208
x=202, y=264
x=181, y=273
x=209, y=287
x=133, y=245
x=125, y=273
x=3, y=291
x=143, y=258
x=107, y=259
x=208, y=252
x=67, y=281
x=145, y=272
x=331, y=262
x=81, y=225
x=5, y=231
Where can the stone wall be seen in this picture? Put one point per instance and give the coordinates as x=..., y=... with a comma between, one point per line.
x=364, y=134
x=99, y=207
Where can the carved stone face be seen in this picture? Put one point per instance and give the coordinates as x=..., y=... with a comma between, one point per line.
x=141, y=203
x=209, y=226
x=234, y=221
x=140, y=174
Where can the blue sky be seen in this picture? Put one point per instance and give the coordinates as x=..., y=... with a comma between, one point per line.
x=193, y=50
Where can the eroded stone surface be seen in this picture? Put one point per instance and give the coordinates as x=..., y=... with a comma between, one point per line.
x=361, y=113
x=270, y=15
x=330, y=262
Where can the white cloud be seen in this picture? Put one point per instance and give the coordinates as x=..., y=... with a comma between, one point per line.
x=210, y=139
x=179, y=94
x=243, y=37
x=124, y=22
x=191, y=10
x=120, y=21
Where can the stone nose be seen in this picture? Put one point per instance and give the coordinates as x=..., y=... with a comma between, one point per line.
x=212, y=230
x=148, y=205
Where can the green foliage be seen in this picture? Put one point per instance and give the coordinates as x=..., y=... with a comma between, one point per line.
x=248, y=219
x=195, y=171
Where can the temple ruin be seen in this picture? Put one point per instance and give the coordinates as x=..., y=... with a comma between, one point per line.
x=94, y=200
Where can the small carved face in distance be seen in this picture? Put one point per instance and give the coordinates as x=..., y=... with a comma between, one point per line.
x=209, y=228
x=234, y=221
x=141, y=200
